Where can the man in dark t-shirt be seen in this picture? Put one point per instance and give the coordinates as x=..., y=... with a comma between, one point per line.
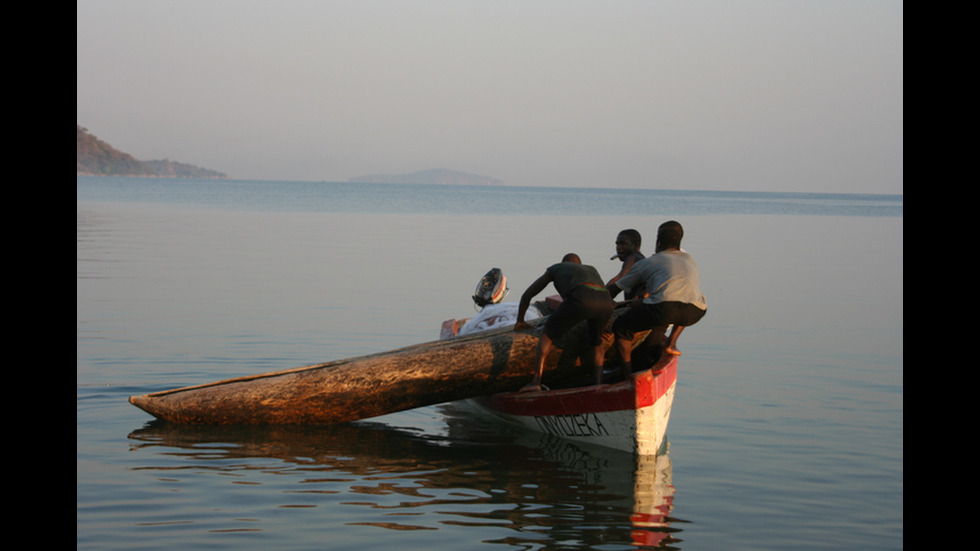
x=584, y=297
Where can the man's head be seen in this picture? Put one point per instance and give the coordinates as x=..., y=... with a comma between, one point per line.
x=571, y=257
x=628, y=242
x=669, y=235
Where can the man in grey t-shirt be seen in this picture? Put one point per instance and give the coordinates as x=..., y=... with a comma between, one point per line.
x=674, y=295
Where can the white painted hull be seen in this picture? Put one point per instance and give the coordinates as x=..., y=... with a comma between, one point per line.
x=631, y=417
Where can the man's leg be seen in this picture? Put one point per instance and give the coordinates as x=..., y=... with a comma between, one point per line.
x=624, y=329
x=625, y=348
x=672, y=341
x=544, y=348
x=599, y=360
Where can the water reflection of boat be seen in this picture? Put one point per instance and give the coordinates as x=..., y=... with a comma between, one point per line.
x=642, y=484
x=476, y=475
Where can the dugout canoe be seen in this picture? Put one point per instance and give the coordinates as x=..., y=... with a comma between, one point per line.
x=480, y=364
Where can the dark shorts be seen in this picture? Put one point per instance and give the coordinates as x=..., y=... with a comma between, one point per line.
x=644, y=317
x=585, y=304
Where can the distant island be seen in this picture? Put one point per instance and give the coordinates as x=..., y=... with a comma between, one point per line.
x=95, y=157
x=434, y=176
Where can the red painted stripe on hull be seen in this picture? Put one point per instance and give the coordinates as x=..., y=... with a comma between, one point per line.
x=649, y=387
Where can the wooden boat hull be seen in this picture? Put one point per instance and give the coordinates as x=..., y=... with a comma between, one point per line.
x=445, y=370
x=630, y=415
x=356, y=388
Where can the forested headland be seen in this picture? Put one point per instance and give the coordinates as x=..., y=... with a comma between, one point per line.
x=96, y=157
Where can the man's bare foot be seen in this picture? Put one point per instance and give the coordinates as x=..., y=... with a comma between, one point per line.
x=672, y=351
x=531, y=387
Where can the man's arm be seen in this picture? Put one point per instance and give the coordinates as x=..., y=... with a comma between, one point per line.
x=531, y=292
x=613, y=289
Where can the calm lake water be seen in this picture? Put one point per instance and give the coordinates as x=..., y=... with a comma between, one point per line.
x=786, y=432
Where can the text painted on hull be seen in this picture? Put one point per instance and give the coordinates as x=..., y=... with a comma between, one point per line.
x=587, y=424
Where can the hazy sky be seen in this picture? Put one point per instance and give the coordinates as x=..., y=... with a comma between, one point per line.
x=751, y=95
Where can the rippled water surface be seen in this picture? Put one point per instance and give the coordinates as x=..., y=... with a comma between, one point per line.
x=786, y=431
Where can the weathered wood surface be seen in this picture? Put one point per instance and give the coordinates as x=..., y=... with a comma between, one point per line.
x=362, y=387
x=500, y=360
